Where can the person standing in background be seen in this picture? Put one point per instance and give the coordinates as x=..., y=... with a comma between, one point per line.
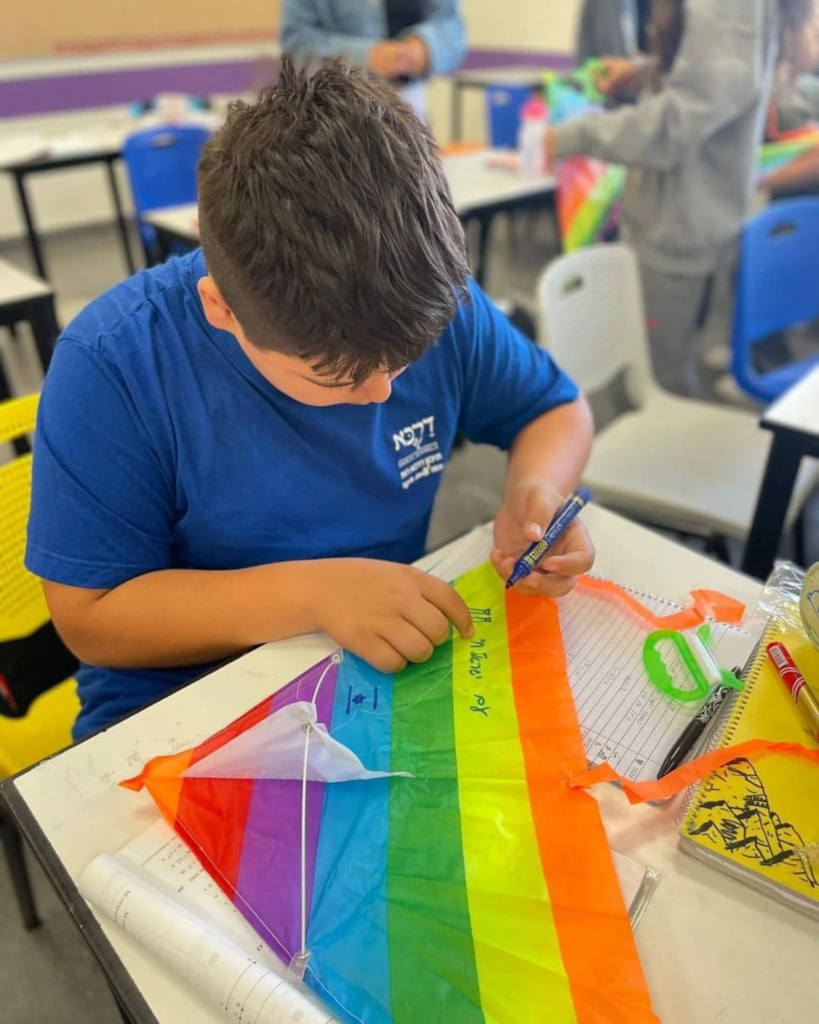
x=402, y=41
x=612, y=28
x=691, y=145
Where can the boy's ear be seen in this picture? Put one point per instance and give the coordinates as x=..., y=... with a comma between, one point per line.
x=217, y=311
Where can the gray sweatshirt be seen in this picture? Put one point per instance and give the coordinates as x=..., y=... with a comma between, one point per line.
x=692, y=146
x=607, y=28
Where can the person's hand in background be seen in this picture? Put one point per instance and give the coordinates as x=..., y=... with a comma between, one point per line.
x=387, y=59
x=415, y=55
x=618, y=76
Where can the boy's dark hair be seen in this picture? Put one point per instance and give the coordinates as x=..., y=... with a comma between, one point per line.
x=327, y=223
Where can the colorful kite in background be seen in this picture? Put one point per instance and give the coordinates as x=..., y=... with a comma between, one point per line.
x=783, y=151
x=589, y=191
x=458, y=870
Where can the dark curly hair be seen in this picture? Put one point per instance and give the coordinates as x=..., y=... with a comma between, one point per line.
x=327, y=223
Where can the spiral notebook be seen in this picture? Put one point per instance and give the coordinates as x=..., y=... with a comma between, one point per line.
x=759, y=821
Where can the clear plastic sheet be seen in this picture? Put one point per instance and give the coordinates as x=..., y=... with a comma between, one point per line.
x=780, y=599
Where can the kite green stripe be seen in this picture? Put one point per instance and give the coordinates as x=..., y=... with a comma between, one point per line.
x=433, y=975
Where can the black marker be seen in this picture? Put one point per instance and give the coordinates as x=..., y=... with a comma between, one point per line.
x=695, y=728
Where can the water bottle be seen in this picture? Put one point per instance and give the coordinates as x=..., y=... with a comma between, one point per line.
x=532, y=138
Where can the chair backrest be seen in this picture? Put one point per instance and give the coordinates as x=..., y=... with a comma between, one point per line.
x=776, y=284
x=592, y=319
x=22, y=606
x=503, y=111
x=35, y=666
x=162, y=165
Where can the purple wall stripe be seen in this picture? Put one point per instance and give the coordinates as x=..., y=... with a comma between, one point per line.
x=55, y=93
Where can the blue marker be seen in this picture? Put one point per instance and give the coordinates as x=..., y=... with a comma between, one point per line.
x=538, y=551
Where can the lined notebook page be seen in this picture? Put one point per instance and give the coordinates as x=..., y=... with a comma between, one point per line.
x=624, y=718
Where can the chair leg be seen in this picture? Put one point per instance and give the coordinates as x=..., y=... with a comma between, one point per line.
x=717, y=546
x=21, y=883
x=800, y=555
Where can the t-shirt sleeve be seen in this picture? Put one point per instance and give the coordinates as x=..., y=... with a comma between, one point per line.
x=101, y=503
x=508, y=381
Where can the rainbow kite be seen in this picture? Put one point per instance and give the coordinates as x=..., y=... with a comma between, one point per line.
x=782, y=152
x=437, y=866
x=589, y=191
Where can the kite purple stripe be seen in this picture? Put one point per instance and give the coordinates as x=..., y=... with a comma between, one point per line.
x=270, y=865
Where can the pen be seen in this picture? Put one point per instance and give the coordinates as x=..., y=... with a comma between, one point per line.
x=695, y=728
x=536, y=552
x=795, y=684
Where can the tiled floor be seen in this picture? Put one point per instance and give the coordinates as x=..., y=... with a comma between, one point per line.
x=48, y=975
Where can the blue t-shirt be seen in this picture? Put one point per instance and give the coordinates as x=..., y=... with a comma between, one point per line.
x=159, y=446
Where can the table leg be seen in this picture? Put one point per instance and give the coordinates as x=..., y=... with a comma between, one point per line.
x=484, y=231
x=33, y=238
x=772, y=505
x=44, y=327
x=21, y=882
x=121, y=221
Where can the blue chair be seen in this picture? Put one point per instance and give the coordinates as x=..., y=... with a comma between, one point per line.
x=503, y=106
x=161, y=166
x=777, y=287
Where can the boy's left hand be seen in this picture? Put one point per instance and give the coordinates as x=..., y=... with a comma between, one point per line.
x=522, y=519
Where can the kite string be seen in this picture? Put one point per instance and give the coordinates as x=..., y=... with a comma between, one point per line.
x=298, y=963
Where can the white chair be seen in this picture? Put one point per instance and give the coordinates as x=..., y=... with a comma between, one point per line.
x=670, y=461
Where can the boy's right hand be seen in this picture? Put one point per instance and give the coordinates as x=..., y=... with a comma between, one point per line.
x=387, y=614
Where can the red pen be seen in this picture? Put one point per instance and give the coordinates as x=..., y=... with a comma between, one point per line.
x=795, y=683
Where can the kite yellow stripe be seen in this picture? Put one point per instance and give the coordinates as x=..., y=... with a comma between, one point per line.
x=517, y=951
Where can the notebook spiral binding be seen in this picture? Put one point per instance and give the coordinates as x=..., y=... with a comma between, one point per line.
x=722, y=735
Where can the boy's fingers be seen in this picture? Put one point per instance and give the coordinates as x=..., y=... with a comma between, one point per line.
x=381, y=655
x=503, y=565
x=573, y=563
x=450, y=603
x=409, y=641
x=429, y=620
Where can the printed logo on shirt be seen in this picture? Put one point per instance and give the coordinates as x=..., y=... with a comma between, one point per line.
x=420, y=454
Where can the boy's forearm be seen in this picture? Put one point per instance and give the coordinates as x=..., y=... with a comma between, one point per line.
x=186, y=616
x=553, y=449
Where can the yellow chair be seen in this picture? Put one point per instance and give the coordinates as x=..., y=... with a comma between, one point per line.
x=46, y=726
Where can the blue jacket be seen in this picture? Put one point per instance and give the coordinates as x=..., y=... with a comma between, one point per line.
x=315, y=30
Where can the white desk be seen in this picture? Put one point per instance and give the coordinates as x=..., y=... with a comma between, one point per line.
x=794, y=421
x=34, y=153
x=714, y=951
x=479, y=191
x=25, y=298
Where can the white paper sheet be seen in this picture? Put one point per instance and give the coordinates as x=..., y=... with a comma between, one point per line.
x=240, y=984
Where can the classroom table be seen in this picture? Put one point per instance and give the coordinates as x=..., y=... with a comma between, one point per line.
x=104, y=147
x=714, y=950
x=26, y=298
x=794, y=421
x=463, y=80
x=23, y=156
x=480, y=192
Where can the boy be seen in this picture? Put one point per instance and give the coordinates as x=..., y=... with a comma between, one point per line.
x=245, y=444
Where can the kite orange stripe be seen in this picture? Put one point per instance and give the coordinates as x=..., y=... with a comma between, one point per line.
x=691, y=772
x=596, y=940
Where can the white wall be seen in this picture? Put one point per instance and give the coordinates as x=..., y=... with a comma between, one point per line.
x=522, y=24
x=81, y=196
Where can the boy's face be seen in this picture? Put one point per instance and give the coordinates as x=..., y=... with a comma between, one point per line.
x=291, y=375
x=297, y=379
